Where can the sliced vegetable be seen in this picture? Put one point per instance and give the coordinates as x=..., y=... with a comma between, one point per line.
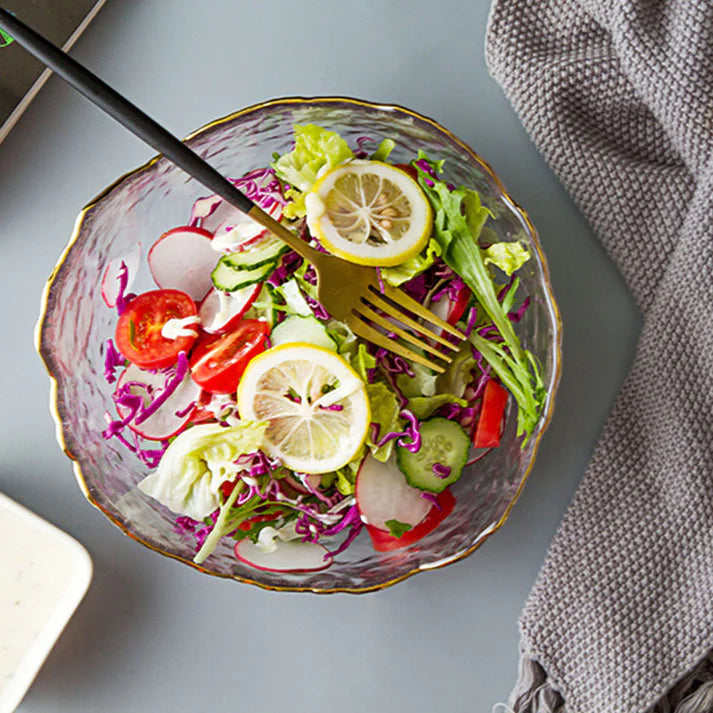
x=369, y=213
x=181, y=259
x=219, y=360
x=308, y=330
x=314, y=403
x=228, y=279
x=489, y=426
x=111, y=280
x=441, y=458
x=384, y=541
x=138, y=330
x=264, y=253
x=383, y=494
x=293, y=556
x=221, y=311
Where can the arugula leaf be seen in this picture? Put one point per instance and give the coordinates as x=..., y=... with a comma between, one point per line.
x=396, y=528
x=459, y=219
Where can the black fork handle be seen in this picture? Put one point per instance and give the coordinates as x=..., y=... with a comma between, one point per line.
x=126, y=113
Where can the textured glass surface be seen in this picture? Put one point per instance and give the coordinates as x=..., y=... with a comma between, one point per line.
x=159, y=196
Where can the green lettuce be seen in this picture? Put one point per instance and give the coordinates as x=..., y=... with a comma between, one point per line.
x=315, y=148
x=509, y=257
x=385, y=409
x=197, y=462
x=362, y=361
x=459, y=219
x=404, y=272
x=422, y=383
x=423, y=406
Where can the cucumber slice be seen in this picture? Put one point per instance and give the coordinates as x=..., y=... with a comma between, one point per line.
x=445, y=445
x=265, y=252
x=302, y=329
x=229, y=279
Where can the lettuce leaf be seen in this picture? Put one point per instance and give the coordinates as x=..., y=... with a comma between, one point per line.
x=294, y=299
x=197, y=462
x=422, y=383
x=385, y=409
x=423, y=406
x=314, y=149
x=459, y=219
x=509, y=257
x=399, y=274
x=362, y=361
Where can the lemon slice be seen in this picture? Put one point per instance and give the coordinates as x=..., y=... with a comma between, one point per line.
x=370, y=213
x=314, y=402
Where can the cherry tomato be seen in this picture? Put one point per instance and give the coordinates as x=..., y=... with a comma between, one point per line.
x=487, y=431
x=219, y=360
x=138, y=329
x=384, y=541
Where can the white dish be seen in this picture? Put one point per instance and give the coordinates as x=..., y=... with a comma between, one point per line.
x=44, y=574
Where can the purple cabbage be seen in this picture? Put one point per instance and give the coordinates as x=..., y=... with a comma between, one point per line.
x=113, y=359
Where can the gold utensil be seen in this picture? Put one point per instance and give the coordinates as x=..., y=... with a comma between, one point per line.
x=350, y=293
x=354, y=294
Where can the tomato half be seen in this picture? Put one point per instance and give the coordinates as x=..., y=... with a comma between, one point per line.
x=219, y=360
x=138, y=329
x=384, y=541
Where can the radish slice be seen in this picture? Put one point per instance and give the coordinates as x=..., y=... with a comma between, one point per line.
x=110, y=279
x=382, y=494
x=294, y=556
x=170, y=418
x=221, y=311
x=234, y=231
x=182, y=259
x=296, y=482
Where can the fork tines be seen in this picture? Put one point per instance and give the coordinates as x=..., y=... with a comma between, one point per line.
x=387, y=308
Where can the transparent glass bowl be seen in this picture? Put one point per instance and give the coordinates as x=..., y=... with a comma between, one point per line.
x=145, y=203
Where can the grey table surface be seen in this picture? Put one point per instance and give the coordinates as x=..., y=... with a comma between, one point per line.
x=153, y=635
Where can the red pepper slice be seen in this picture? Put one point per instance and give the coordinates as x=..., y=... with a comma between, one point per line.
x=489, y=427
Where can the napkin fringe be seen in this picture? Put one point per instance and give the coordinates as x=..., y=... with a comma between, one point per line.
x=535, y=692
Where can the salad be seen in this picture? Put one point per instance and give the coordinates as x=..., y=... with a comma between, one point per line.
x=264, y=420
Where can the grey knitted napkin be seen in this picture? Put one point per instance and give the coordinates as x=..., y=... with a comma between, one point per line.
x=618, y=96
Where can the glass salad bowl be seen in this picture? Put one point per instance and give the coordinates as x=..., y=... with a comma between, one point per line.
x=140, y=206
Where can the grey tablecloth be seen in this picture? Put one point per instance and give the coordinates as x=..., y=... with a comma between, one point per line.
x=618, y=96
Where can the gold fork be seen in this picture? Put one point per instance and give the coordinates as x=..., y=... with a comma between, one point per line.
x=350, y=293
x=354, y=294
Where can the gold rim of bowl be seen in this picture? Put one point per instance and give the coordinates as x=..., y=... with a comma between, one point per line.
x=217, y=122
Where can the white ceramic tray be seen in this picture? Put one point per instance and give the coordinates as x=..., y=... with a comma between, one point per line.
x=44, y=574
